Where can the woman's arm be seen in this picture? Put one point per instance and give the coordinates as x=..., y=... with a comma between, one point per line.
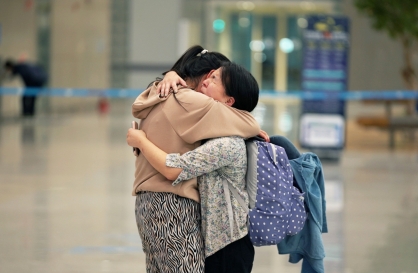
x=155, y=156
x=212, y=155
x=146, y=101
x=172, y=79
x=195, y=116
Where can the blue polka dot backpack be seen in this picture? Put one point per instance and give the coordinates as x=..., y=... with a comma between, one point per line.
x=276, y=206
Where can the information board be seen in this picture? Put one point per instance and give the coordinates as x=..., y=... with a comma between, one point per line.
x=325, y=68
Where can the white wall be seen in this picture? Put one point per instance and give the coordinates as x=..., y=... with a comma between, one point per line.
x=80, y=44
x=18, y=41
x=80, y=32
x=375, y=59
x=80, y=35
x=18, y=30
x=153, y=38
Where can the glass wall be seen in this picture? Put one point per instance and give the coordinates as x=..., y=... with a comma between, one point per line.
x=119, y=42
x=268, y=56
x=43, y=10
x=241, y=27
x=264, y=37
x=295, y=25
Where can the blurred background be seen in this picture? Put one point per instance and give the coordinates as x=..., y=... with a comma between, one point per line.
x=66, y=173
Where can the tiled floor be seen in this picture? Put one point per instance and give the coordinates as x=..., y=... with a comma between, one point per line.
x=65, y=203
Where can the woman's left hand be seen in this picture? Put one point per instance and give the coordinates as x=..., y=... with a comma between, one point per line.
x=170, y=81
x=133, y=138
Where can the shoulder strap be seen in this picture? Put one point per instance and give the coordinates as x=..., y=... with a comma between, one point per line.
x=238, y=197
x=228, y=187
x=273, y=151
x=229, y=204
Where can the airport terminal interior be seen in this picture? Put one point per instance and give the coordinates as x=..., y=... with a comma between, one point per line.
x=66, y=204
x=66, y=173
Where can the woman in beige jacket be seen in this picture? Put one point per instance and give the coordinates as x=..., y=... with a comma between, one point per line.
x=169, y=225
x=228, y=248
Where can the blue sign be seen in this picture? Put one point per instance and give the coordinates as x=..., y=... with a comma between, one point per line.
x=325, y=62
x=325, y=69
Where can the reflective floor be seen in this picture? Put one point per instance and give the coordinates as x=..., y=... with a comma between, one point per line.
x=65, y=203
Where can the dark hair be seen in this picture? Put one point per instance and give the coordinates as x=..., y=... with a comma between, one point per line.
x=241, y=85
x=194, y=64
x=9, y=64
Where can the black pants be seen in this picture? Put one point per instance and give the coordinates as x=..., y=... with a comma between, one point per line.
x=28, y=105
x=236, y=257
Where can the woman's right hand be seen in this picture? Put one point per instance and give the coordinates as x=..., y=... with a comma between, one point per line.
x=170, y=81
x=134, y=137
x=264, y=135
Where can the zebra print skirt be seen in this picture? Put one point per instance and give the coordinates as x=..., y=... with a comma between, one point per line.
x=170, y=230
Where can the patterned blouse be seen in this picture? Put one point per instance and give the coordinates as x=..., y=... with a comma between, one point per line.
x=217, y=159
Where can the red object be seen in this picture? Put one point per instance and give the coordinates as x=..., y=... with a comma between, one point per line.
x=75, y=6
x=103, y=106
x=327, y=35
x=29, y=4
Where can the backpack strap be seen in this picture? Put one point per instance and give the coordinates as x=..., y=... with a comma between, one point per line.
x=238, y=197
x=228, y=201
x=228, y=187
x=273, y=151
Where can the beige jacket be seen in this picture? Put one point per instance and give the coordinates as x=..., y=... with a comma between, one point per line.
x=177, y=124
